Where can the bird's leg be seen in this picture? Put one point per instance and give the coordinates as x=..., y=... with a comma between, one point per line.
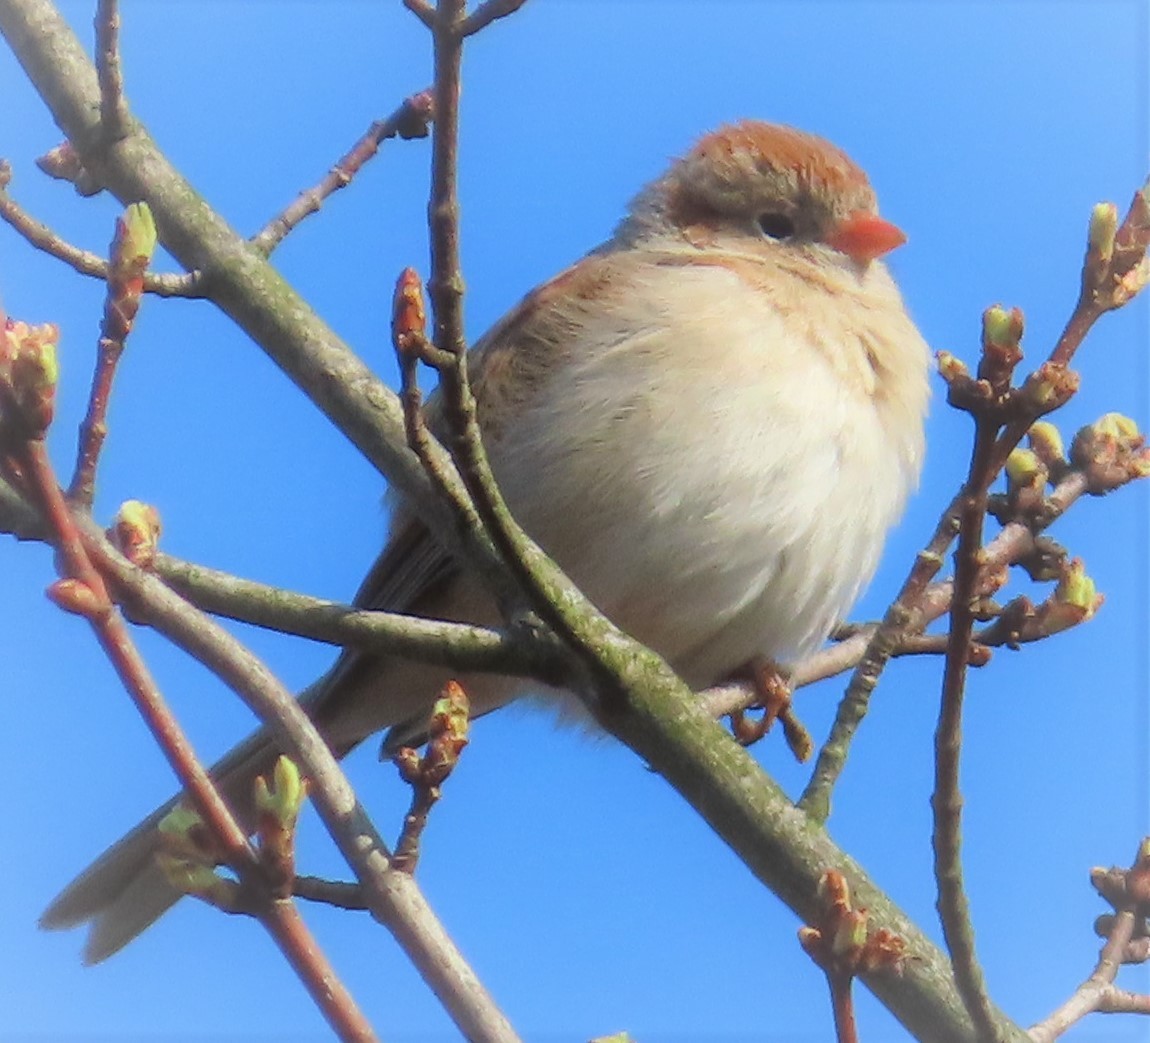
x=775, y=700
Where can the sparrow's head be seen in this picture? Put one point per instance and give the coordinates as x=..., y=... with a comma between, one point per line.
x=767, y=182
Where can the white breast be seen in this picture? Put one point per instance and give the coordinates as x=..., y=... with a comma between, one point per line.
x=709, y=477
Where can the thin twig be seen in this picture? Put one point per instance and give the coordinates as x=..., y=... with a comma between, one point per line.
x=89, y=597
x=902, y=617
x=133, y=672
x=394, y=899
x=113, y=108
x=461, y=646
x=131, y=251
x=284, y=923
x=446, y=739
x=422, y=10
x=445, y=286
x=953, y=907
x=843, y=1007
x=486, y=13
x=338, y=893
x=547, y=590
x=1098, y=990
x=408, y=121
x=39, y=235
x=985, y=399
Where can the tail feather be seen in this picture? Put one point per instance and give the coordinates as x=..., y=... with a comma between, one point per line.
x=124, y=891
x=146, y=898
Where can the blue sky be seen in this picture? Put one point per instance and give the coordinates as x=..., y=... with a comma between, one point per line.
x=589, y=898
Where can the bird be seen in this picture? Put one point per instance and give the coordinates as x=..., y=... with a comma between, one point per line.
x=710, y=422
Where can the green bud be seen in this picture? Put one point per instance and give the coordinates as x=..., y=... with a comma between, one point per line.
x=137, y=234
x=1103, y=226
x=284, y=797
x=1000, y=327
x=951, y=367
x=1046, y=441
x=1023, y=467
x=1116, y=425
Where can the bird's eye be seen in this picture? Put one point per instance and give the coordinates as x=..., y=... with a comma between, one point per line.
x=776, y=226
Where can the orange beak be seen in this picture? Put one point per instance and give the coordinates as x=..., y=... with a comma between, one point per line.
x=863, y=236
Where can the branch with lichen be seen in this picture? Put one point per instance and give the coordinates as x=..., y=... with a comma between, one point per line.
x=631, y=690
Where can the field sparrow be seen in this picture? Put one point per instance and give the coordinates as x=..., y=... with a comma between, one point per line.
x=710, y=422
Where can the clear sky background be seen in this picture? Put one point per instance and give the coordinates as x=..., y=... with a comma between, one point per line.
x=588, y=896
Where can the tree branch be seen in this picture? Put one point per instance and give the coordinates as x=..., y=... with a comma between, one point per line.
x=392, y=896
x=244, y=285
x=408, y=121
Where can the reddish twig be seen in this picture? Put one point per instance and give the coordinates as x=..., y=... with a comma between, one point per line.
x=393, y=897
x=842, y=946
x=1115, y=269
x=28, y=373
x=571, y=617
x=445, y=286
x=409, y=121
x=83, y=591
x=113, y=109
x=132, y=249
x=447, y=736
x=296, y=942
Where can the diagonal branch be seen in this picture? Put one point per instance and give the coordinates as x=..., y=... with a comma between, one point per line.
x=392, y=896
x=241, y=282
x=408, y=121
x=113, y=108
x=82, y=590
